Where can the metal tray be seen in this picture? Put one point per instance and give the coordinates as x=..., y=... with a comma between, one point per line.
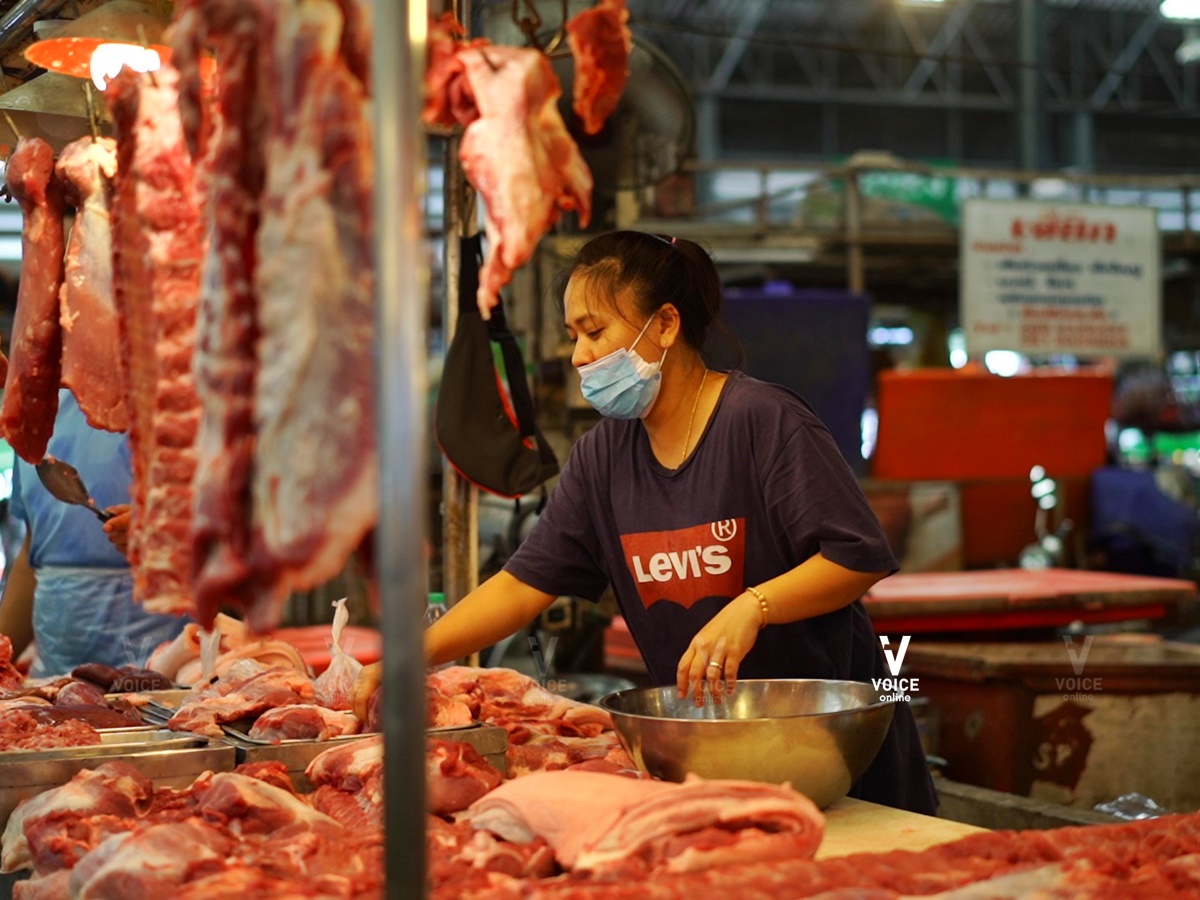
x=113, y=742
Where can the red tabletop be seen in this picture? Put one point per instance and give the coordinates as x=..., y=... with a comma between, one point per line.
x=1019, y=598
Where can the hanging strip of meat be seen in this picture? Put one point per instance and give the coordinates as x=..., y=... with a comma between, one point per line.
x=519, y=157
x=600, y=42
x=91, y=365
x=315, y=479
x=227, y=329
x=35, y=358
x=157, y=252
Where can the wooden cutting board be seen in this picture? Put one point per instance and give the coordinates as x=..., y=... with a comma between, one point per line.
x=855, y=826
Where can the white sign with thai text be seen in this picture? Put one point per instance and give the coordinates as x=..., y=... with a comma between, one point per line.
x=1076, y=279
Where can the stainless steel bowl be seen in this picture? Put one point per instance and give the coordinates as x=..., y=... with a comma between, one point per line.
x=818, y=735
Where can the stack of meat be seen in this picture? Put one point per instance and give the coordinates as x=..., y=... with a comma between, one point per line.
x=109, y=833
x=516, y=150
x=545, y=730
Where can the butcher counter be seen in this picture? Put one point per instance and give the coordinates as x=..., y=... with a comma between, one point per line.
x=856, y=826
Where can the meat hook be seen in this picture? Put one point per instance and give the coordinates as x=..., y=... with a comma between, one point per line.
x=560, y=34
x=93, y=121
x=530, y=24
x=488, y=60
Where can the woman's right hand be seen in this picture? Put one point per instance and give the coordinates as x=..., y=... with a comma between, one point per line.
x=366, y=685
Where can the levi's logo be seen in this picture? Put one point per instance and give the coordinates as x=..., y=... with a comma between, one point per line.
x=688, y=564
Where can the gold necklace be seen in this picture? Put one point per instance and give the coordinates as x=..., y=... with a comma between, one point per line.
x=692, y=418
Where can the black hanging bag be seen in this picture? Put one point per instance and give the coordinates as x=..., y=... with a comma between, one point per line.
x=496, y=447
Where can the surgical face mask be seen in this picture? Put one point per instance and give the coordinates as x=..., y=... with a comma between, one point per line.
x=622, y=385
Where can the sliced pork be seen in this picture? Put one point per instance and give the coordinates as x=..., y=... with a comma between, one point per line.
x=30, y=402
x=91, y=366
x=247, y=690
x=519, y=157
x=611, y=825
x=157, y=250
x=600, y=42
x=303, y=722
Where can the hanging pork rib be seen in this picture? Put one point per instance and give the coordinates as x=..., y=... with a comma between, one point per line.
x=158, y=247
x=519, y=157
x=600, y=42
x=35, y=358
x=91, y=365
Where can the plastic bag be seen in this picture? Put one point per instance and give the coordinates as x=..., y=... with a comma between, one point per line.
x=335, y=686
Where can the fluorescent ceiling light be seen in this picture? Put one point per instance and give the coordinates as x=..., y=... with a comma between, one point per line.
x=1180, y=9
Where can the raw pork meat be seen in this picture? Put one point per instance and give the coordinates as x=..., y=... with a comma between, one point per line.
x=91, y=367
x=303, y=722
x=335, y=686
x=111, y=789
x=357, y=766
x=227, y=327
x=609, y=824
x=455, y=776
x=600, y=41
x=157, y=248
x=10, y=677
x=244, y=805
x=30, y=401
x=286, y=481
x=519, y=157
x=448, y=97
x=20, y=729
x=247, y=690
x=315, y=487
x=151, y=862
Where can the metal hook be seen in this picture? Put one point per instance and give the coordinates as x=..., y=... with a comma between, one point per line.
x=93, y=118
x=487, y=59
x=530, y=24
x=561, y=34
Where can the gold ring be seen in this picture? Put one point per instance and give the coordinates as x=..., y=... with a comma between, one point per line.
x=717, y=664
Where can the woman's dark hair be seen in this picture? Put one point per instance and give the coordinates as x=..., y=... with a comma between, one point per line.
x=655, y=269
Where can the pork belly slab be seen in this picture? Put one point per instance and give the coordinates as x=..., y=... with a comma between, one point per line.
x=30, y=402
x=91, y=367
x=614, y=825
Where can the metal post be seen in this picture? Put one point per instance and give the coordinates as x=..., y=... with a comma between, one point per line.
x=855, y=265
x=402, y=285
x=460, y=499
x=1029, y=100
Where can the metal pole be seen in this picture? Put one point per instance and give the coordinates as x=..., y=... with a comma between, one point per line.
x=460, y=499
x=402, y=285
x=855, y=266
x=1029, y=91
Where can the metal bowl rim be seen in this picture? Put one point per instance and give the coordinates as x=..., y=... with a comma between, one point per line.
x=603, y=702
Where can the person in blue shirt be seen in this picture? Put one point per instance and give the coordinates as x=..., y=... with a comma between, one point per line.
x=70, y=589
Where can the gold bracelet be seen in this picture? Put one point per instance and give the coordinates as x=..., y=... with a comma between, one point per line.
x=762, y=603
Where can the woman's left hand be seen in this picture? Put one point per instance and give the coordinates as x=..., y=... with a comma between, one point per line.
x=718, y=649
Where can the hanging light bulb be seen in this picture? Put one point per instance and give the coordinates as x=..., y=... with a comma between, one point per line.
x=99, y=43
x=108, y=60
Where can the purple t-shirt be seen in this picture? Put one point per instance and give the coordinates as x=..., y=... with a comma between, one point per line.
x=764, y=489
